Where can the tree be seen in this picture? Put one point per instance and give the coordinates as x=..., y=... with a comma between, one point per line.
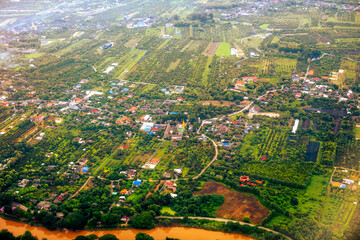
x=8, y=209
x=6, y=235
x=294, y=201
x=81, y=237
x=246, y=219
x=144, y=220
x=143, y=236
x=110, y=219
x=109, y=237
x=73, y=221
x=49, y=221
x=27, y=236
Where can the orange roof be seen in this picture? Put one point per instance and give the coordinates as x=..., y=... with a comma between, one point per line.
x=124, y=191
x=126, y=119
x=240, y=83
x=154, y=161
x=133, y=109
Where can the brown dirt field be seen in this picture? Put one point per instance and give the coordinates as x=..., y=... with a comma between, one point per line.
x=245, y=102
x=239, y=51
x=132, y=43
x=211, y=49
x=218, y=103
x=237, y=205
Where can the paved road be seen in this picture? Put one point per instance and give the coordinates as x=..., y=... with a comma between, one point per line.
x=225, y=221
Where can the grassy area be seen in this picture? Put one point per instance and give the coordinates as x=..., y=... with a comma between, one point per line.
x=253, y=41
x=223, y=50
x=357, y=132
x=32, y=55
x=173, y=65
x=312, y=201
x=264, y=26
x=206, y=71
x=167, y=210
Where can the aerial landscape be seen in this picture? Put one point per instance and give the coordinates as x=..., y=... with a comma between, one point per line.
x=179, y=119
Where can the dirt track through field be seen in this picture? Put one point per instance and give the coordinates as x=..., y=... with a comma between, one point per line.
x=237, y=205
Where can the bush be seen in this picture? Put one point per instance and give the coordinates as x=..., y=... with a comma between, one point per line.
x=143, y=236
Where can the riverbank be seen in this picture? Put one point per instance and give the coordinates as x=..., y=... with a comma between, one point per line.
x=159, y=233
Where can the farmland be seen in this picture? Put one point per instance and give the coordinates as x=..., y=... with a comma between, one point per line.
x=211, y=48
x=236, y=110
x=236, y=205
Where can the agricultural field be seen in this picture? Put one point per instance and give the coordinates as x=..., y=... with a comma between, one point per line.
x=297, y=173
x=211, y=49
x=357, y=132
x=223, y=50
x=237, y=205
x=141, y=108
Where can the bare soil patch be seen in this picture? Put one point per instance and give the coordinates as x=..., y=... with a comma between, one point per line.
x=239, y=51
x=218, y=103
x=237, y=205
x=267, y=114
x=132, y=43
x=211, y=49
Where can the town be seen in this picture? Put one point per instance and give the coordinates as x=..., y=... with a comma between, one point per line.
x=129, y=115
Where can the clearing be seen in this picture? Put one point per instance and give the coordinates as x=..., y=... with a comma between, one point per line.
x=357, y=132
x=218, y=103
x=267, y=114
x=211, y=49
x=237, y=205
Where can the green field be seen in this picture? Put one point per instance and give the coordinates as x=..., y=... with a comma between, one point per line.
x=223, y=50
x=264, y=26
x=357, y=132
x=167, y=210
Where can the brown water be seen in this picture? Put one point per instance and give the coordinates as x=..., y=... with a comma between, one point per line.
x=159, y=233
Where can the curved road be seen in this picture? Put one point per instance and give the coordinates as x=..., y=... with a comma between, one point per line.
x=214, y=158
x=227, y=220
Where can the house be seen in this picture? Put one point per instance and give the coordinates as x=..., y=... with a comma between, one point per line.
x=154, y=161
x=39, y=118
x=178, y=171
x=125, y=218
x=23, y=183
x=124, y=192
x=82, y=161
x=255, y=109
x=166, y=175
x=176, y=136
x=239, y=84
x=244, y=179
x=50, y=167
x=136, y=183
x=131, y=173
x=171, y=186
x=43, y=205
x=248, y=79
x=180, y=99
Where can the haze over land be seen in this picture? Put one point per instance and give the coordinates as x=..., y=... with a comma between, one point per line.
x=140, y=114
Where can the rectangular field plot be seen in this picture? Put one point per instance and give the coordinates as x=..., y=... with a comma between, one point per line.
x=223, y=50
x=211, y=49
